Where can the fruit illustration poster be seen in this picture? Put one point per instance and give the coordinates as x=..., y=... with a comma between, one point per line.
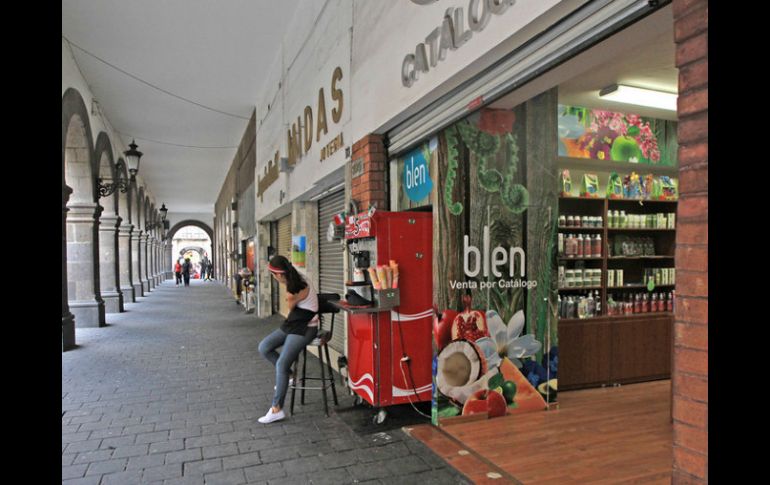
x=495, y=340
x=622, y=137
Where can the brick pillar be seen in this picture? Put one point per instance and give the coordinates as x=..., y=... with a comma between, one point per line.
x=690, y=359
x=371, y=185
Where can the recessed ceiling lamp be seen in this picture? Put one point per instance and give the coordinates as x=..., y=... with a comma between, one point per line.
x=639, y=96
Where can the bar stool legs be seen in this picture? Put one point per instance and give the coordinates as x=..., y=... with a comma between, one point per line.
x=331, y=375
x=325, y=381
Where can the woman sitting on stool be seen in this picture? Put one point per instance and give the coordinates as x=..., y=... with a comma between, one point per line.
x=296, y=332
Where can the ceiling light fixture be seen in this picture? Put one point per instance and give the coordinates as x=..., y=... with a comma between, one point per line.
x=639, y=96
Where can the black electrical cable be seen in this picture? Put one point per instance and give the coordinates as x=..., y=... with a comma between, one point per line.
x=405, y=358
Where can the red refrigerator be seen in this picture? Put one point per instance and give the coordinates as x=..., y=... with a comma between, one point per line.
x=389, y=345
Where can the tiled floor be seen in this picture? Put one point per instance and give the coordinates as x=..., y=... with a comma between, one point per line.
x=170, y=392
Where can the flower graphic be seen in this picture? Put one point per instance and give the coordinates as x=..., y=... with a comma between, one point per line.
x=505, y=340
x=618, y=136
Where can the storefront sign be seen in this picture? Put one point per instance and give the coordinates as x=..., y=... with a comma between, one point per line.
x=332, y=147
x=270, y=176
x=451, y=34
x=417, y=181
x=357, y=167
x=300, y=134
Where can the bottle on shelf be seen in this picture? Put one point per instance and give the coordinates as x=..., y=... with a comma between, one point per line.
x=579, y=246
x=597, y=246
x=598, y=301
x=645, y=303
x=590, y=306
x=587, y=246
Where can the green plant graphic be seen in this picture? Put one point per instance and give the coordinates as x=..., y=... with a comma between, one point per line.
x=484, y=146
x=515, y=196
x=452, y=141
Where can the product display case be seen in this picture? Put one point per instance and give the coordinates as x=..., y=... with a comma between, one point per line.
x=616, y=291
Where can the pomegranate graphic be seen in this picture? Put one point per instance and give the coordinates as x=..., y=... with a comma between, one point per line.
x=469, y=324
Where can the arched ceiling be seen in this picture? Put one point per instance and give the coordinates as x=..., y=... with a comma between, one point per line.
x=213, y=53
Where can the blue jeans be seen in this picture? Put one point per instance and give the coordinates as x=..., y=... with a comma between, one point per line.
x=292, y=346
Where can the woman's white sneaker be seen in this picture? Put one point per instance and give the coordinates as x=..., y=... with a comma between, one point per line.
x=272, y=417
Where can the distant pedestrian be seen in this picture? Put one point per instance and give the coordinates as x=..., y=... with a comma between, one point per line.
x=186, y=269
x=205, y=267
x=178, y=273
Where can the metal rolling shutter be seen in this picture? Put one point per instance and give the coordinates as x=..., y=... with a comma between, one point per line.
x=331, y=257
x=284, y=249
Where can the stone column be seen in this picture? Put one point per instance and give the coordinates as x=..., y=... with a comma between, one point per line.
x=155, y=261
x=136, y=262
x=125, y=269
x=108, y=263
x=67, y=319
x=144, y=267
x=158, y=258
x=151, y=263
x=151, y=260
x=85, y=301
x=167, y=270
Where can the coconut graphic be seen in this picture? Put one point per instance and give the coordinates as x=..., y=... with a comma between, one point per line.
x=462, y=370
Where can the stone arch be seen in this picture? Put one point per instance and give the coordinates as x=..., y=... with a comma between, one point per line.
x=76, y=143
x=104, y=167
x=80, y=262
x=139, y=223
x=124, y=238
x=124, y=198
x=109, y=264
x=192, y=222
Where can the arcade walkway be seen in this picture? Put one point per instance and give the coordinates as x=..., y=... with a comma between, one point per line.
x=170, y=393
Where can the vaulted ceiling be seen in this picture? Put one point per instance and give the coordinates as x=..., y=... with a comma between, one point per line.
x=213, y=53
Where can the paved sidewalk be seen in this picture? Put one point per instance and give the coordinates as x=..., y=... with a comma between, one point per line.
x=170, y=393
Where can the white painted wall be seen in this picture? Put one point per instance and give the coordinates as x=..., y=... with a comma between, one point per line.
x=176, y=217
x=385, y=32
x=317, y=41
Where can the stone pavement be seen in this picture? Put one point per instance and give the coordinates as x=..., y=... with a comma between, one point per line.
x=170, y=392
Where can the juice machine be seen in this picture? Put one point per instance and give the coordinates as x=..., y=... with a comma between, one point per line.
x=389, y=343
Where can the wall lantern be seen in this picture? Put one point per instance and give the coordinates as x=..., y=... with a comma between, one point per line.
x=108, y=188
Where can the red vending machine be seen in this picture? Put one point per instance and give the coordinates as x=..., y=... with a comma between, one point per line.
x=389, y=343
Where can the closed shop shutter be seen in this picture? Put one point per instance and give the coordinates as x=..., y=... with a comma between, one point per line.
x=331, y=257
x=284, y=249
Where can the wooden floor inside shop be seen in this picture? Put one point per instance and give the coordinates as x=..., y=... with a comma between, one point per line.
x=598, y=436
